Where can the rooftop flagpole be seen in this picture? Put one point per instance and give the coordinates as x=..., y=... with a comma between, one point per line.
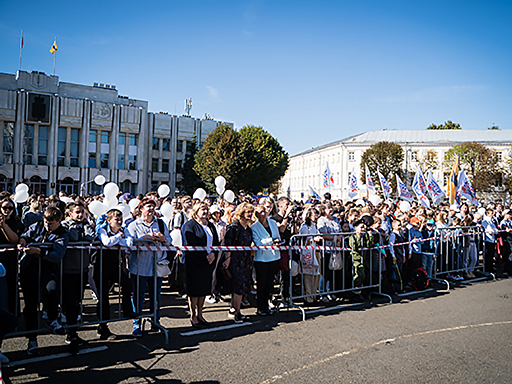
x=21, y=49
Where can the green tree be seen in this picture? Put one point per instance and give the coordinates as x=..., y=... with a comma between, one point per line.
x=479, y=162
x=448, y=125
x=387, y=157
x=250, y=159
x=265, y=160
x=191, y=180
x=494, y=128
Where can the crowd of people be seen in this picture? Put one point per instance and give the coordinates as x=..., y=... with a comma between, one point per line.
x=446, y=240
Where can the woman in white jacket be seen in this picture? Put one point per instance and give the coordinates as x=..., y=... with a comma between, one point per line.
x=265, y=232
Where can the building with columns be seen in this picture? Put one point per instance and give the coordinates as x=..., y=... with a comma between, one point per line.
x=344, y=157
x=57, y=135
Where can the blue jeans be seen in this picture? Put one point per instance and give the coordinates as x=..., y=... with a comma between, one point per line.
x=139, y=284
x=426, y=263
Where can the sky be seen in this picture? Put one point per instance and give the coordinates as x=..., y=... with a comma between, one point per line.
x=308, y=72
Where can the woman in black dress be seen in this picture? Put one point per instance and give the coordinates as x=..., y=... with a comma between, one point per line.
x=239, y=262
x=199, y=265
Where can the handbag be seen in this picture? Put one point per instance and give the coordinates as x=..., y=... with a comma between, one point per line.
x=162, y=268
x=336, y=261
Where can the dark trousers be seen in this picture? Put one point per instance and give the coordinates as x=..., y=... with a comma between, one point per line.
x=47, y=290
x=411, y=265
x=489, y=256
x=265, y=282
x=107, y=272
x=73, y=286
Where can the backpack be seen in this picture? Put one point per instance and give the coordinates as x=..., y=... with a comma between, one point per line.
x=419, y=280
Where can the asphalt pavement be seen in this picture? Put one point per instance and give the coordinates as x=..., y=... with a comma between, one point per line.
x=461, y=336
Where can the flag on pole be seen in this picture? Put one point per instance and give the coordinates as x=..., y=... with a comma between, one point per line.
x=21, y=49
x=54, y=48
x=353, y=190
x=419, y=186
x=403, y=192
x=465, y=188
x=370, y=187
x=452, y=181
x=435, y=191
x=313, y=193
x=327, y=179
x=385, y=185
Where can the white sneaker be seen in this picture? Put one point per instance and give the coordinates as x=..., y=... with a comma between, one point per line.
x=231, y=313
x=56, y=327
x=3, y=359
x=211, y=299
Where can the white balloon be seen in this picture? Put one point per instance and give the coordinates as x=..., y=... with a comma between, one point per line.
x=21, y=197
x=405, y=206
x=97, y=208
x=220, y=182
x=229, y=196
x=360, y=202
x=99, y=179
x=176, y=237
x=21, y=187
x=133, y=203
x=375, y=200
x=163, y=190
x=125, y=209
x=220, y=190
x=66, y=199
x=199, y=194
x=167, y=210
x=481, y=211
x=110, y=191
x=110, y=203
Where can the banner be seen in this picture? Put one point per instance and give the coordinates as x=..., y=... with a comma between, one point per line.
x=465, y=188
x=403, y=192
x=370, y=187
x=419, y=186
x=327, y=179
x=435, y=191
x=452, y=181
x=353, y=190
x=386, y=188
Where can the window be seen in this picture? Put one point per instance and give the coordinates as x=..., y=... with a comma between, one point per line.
x=351, y=156
x=132, y=139
x=179, y=166
x=61, y=146
x=68, y=185
x=165, y=165
x=42, y=147
x=103, y=160
x=499, y=156
x=74, y=147
x=122, y=138
x=92, y=160
x=38, y=186
x=414, y=156
x=120, y=161
x=132, y=162
x=8, y=143
x=105, y=137
x=180, y=146
x=128, y=186
x=92, y=149
x=28, y=144
x=156, y=140
x=154, y=165
x=189, y=146
x=166, y=145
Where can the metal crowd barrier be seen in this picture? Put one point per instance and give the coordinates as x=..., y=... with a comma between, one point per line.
x=327, y=268
x=459, y=250
x=97, y=250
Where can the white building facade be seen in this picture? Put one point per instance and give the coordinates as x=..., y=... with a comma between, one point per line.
x=57, y=135
x=344, y=157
